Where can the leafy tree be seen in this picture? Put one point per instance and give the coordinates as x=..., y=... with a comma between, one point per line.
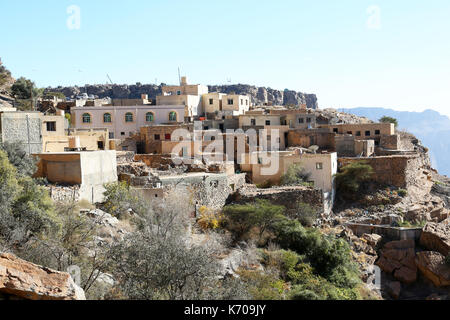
x=350, y=180
x=386, y=119
x=24, y=90
x=295, y=175
x=261, y=214
x=9, y=186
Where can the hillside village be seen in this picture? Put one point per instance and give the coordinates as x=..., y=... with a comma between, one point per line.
x=212, y=155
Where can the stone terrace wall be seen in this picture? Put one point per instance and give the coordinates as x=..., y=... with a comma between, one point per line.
x=402, y=171
x=285, y=196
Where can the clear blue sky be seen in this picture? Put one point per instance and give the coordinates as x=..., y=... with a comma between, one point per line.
x=328, y=47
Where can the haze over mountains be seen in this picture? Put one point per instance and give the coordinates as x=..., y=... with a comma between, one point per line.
x=432, y=128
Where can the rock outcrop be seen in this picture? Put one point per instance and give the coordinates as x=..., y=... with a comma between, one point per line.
x=436, y=237
x=398, y=258
x=432, y=266
x=258, y=95
x=20, y=279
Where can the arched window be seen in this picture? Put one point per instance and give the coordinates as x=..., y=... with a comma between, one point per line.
x=173, y=116
x=107, y=118
x=86, y=118
x=149, y=117
x=128, y=117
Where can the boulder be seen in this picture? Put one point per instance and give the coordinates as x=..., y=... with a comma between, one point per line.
x=432, y=266
x=372, y=239
x=398, y=258
x=436, y=237
x=25, y=280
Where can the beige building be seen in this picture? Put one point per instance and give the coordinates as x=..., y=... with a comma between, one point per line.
x=366, y=131
x=238, y=104
x=81, y=139
x=89, y=170
x=271, y=166
x=188, y=95
x=212, y=102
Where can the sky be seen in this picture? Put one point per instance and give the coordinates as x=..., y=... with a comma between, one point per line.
x=351, y=53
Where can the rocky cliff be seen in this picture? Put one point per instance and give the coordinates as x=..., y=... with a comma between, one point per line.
x=259, y=95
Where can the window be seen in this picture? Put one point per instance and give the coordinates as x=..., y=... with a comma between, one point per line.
x=242, y=101
x=178, y=93
x=129, y=117
x=367, y=133
x=260, y=161
x=301, y=120
x=335, y=130
x=211, y=101
x=349, y=132
x=111, y=135
x=100, y=145
x=107, y=118
x=308, y=120
x=157, y=137
x=168, y=136
x=86, y=118
x=267, y=122
x=124, y=148
x=173, y=116
x=122, y=133
x=230, y=101
x=358, y=133
x=253, y=122
x=149, y=117
x=246, y=102
x=377, y=143
x=51, y=126
x=319, y=166
x=377, y=132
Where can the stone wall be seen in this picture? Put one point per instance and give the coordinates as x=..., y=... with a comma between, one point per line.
x=285, y=196
x=402, y=171
x=210, y=190
x=22, y=127
x=64, y=194
x=391, y=142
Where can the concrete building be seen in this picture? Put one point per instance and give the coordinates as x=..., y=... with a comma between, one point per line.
x=190, y=96
x=153, y=136
x=125, y=121
x=212, y=102
x=82, y=139
x=89, y=170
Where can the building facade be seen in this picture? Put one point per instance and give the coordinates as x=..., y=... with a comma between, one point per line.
x=125, y=121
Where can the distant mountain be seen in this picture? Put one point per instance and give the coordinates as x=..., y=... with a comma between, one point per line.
x=432, y=128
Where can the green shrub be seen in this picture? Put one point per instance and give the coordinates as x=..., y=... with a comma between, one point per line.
x=265, y=185
x=402, y=193
x=447, y=260
x=306, y=214
x=121, y=200
x=262, y=215
x=350, y=180
x=295, y=176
